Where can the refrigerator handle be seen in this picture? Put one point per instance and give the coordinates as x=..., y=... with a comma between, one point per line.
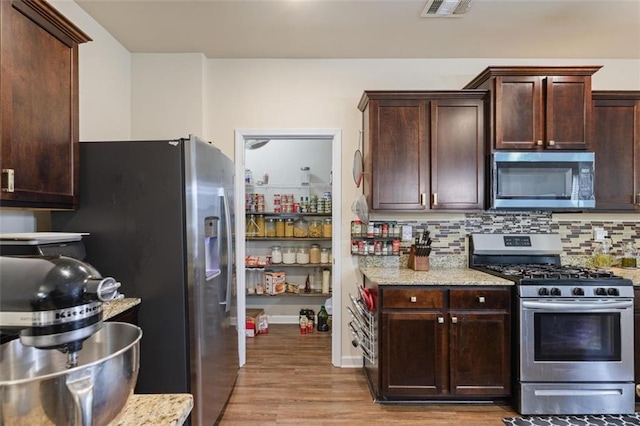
x=230, y=255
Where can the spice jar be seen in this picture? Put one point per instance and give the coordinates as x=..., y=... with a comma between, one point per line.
x=314, y=253
x=327, y=229
x=315, y=229
x=270, y=228
x=300, y=228
x=279, y=228
x=288, y=255
x=302, y=255
x=276, y=254
x=288, y=228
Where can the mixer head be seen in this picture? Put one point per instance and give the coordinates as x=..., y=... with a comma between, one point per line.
x=54, y=302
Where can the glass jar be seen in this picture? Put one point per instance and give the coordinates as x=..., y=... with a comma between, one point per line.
x=279, y=228
x=315, y=228
x=288, y=228
x=270, y=228
x=314, y=253
x=628, y=256
x=276, y=254
x=324, y=255
x=260, y=229
x=302, y=255
x=300, y=228
x=327, y=228
x=251, y=228
x=305, y=175
x=288, y=255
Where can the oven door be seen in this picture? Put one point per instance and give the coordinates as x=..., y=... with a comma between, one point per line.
x=580, y=340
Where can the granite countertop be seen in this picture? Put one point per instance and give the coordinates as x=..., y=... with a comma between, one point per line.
x=111, y=309
x=406, y=276
x=632, y=274
x=155, y=410
x=152, y=409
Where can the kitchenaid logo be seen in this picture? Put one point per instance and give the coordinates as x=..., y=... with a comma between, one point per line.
x=78, y=312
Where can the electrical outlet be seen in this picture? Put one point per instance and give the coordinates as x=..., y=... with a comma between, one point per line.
x=599, y=234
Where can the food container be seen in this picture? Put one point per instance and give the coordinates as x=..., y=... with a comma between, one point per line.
x=314, y=253
x=302, y=255
x=289, y=255
x=36, y=388
x=315, y=229
x=260, y=226
x=276, y=254
x=327, y=228
x=300, y=228
x=279, y=228
x=324, y=255
x=288, y=228
x=270, y=228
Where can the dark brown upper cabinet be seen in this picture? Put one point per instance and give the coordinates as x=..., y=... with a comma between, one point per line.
x=616, y=143
x=538, y=108
x=38, y=106
x=424, y=150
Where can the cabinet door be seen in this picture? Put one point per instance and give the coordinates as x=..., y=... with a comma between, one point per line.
x=39, y=117
x=480, y=353
x=636, y=338
x=413, y=362
x=396, y=154
x=616, y=143
x=568, y=112
x=457, y=154
x=518, y=112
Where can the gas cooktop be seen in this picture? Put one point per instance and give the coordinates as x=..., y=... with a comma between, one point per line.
x=550, y=272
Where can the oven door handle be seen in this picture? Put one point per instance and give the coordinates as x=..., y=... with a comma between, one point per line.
x=578, y=306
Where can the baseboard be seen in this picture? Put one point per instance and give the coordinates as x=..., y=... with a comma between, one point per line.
x=283, y=319
x=351, y=362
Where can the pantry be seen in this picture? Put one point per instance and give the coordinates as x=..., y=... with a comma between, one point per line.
x=288, y=228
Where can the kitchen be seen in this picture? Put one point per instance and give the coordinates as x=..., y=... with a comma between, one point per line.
x=129, y=96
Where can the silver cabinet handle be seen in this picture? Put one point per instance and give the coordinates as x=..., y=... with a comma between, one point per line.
x=539, y=142
x=423, y=199
x=638, y=199
x=413, y=299
x=481, y=299
x=435, y=198
x=454, y=320
x=440, y=320
x=10, y=180
x=552, y=143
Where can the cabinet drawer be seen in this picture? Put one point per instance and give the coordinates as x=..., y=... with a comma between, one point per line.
x=418, y=298
x=481, y=298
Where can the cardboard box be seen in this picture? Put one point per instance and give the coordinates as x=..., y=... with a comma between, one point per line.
x=253, y=321
x=274, y=282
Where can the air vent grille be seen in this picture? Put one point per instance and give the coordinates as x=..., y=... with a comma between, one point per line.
x=443, y=8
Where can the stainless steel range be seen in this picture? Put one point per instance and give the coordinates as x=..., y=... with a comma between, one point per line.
x=574, y=342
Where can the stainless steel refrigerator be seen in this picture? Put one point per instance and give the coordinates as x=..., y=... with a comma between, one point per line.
x=160, y=220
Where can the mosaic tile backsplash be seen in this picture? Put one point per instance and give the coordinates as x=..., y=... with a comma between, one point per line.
x=450, y=236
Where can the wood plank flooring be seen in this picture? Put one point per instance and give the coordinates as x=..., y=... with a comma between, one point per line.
x=289, y=380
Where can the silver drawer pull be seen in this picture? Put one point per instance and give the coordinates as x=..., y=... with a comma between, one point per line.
x=440, y=320
x=454, y=320
x=481, y=299
x=413, y=299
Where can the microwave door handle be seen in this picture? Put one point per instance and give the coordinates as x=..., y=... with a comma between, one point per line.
x=580, y=306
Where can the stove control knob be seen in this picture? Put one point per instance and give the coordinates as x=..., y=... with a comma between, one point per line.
x=555, y=291
x=601, y=291
x=577, y=291
x=613, y=292
x=543, y=291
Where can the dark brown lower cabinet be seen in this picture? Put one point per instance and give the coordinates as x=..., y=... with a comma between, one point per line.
x=129, y=316
x=636, y=337
x=439, y=343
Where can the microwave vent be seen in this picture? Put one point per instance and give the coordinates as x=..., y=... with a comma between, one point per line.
x=445, y=8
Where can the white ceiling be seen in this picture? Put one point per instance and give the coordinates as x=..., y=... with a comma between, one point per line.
x=607, y=29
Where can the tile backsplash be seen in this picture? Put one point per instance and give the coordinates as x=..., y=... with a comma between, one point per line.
x=450, y=236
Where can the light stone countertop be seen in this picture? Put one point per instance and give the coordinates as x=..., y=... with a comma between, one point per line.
x=151, y=409
x=111, y=309
x=155, y=410
x=631, y=274
x=406, y=276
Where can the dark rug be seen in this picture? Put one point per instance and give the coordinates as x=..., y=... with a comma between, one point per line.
x=594, y=420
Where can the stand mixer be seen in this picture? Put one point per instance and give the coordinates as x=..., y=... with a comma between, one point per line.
x=53, y=302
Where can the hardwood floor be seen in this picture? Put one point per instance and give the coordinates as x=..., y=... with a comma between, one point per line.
x=289, y=379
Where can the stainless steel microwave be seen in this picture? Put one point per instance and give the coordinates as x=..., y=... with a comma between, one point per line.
x=542, y=180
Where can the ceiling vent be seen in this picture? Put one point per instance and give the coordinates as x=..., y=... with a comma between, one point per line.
x=445, y=8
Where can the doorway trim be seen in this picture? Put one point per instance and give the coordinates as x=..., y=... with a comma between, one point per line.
x=241, y=135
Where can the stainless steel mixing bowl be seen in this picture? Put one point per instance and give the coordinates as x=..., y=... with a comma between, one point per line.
x=36, y=388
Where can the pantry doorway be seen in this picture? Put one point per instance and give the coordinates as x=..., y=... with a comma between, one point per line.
x=268, y=164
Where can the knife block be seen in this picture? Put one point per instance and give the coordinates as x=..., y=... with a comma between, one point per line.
x=417, y=263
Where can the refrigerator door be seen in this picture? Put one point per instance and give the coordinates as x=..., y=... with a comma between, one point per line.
x=214, y=353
